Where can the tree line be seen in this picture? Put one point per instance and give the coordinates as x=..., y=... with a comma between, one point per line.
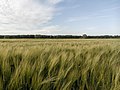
x=56, y=36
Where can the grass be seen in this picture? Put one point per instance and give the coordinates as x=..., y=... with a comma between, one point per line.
x=60, y=64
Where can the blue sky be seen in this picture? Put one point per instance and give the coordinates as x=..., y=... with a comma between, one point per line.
x=93, y=17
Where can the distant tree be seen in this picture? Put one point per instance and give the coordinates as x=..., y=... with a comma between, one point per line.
x=84, y=35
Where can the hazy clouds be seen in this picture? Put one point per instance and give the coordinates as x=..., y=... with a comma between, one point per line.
x=25, y=14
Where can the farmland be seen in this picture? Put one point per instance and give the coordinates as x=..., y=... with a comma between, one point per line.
x=60, y=64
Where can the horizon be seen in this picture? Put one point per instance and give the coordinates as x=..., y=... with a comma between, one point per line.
x=59, y=17
x=65, y=34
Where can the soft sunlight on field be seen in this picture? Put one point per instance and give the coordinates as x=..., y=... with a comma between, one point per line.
x=45, y=64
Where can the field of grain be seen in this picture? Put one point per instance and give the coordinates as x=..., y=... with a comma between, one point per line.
x=45, y=64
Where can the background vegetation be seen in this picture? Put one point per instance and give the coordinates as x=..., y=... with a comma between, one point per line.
x=59, y=64
x=56, y=36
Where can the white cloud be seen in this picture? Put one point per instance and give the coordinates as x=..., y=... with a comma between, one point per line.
x=77, y=19
x=44, y=30
x=48, y=30
x=110, y=9
x=54, y=1
x=90, y=28
x=25, y=14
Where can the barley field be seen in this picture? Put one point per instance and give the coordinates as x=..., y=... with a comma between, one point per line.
x=60, y=64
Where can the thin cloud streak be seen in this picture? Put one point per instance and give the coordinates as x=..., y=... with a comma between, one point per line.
x=93, y=15
x=43, y=30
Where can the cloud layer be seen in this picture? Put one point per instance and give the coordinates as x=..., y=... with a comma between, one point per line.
x=25, y=14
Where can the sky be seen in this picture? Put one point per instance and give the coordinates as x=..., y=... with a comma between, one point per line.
x=59, y=17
